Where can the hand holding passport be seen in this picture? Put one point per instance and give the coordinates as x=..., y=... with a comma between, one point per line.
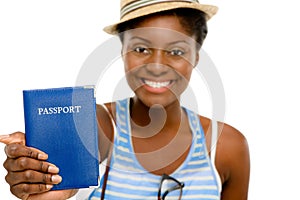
x=62, y=123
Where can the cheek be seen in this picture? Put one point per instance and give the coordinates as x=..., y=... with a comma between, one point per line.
x=126, y=62
x=189, y=73
x=184, y=75
x=131, y=73
x=131, y=62
x=132, y=82
x=184, y=70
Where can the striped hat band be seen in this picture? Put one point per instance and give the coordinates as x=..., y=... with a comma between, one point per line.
x=132, y=9
x=142, y=3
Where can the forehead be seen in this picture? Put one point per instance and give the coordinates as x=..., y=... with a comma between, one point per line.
x=159, y=29
x=162, y=21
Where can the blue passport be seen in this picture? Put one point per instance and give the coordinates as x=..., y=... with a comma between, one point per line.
x=62, y=123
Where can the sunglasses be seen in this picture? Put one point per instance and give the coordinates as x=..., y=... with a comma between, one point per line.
x=167, y=185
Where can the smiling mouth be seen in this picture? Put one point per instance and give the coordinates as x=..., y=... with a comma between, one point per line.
x=155, y=84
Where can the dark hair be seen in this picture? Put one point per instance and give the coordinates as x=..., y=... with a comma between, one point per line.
x=194, y=22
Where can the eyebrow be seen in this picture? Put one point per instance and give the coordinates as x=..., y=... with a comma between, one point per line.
x=180, y=41
x=140, y=38
x=147, y=41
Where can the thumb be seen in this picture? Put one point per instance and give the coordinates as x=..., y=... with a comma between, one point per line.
x=17, y=137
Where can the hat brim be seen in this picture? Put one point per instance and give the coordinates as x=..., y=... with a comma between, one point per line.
x=209, y=10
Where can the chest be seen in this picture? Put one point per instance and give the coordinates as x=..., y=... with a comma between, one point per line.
x=159, y=154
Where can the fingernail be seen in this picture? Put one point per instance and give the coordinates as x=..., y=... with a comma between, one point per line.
x=42, y=156
x=49, y=187
x=53, y=169
x=56, y=179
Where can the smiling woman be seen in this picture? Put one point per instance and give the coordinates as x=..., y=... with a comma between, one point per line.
x=159, y=51
x=154, y=147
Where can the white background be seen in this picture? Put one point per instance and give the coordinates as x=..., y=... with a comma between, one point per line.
x=254, y=45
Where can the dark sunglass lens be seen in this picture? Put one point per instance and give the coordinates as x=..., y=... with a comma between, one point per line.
x=170, y=188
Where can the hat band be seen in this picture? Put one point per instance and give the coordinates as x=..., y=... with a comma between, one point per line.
x=142, y=3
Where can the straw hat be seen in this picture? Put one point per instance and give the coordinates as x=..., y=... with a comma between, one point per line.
x=131, y=9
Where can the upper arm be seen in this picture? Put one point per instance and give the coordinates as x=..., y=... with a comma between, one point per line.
x=233, y=163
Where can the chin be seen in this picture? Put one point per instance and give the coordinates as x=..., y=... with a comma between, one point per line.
x=162, y=100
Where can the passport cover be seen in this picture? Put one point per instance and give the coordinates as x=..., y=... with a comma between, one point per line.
x=62, y=123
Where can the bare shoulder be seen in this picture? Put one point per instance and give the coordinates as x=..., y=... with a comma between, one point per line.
x=233, y=162
x=232, y=159
x=230, y=138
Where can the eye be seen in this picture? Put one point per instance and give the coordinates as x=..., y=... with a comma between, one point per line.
x=176, y=52
x=142, y=50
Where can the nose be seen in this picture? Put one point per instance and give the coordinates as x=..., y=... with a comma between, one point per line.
x=157, y=63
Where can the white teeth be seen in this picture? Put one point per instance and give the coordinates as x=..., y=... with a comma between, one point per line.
x=157, y=84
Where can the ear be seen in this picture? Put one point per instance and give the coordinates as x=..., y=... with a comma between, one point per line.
x=197, y=59
x=122, y=54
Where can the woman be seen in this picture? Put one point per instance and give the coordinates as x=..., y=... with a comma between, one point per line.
x=161, y=150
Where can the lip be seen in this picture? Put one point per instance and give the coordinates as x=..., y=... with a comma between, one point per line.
x=156, y=86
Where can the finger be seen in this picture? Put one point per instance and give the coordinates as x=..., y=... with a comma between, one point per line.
x=23, y=190
x=57, y=194
x=30, y=176
x=17, y=137
x=25, y=163
x=19, y=150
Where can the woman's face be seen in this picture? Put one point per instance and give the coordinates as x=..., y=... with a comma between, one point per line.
x=159, y=57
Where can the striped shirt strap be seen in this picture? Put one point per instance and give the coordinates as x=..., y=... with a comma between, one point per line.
x=142, y=3
x=213, y=150
x=214, y=140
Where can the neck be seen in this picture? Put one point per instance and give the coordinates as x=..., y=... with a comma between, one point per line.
x=155, y=119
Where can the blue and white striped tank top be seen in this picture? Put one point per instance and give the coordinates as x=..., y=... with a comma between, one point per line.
x=128, y=180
